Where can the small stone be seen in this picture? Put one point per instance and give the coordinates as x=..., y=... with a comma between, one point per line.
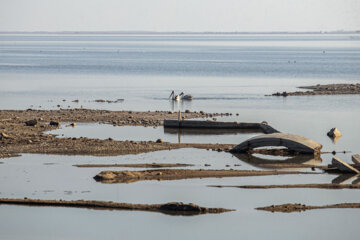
x=29, y=141
x=187, y=111
x=159, y=140
x=214, y=119
x=76, y=101
x=54, y=123
x=334, y=132
x=237, y=114
x=207, y=165
x=31, y=122
x=73, y=124
x=202, y=112
x=264, y=122
x=227, y=165
x=4, y=135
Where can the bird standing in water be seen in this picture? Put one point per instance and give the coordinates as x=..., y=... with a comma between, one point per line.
x=174, y=97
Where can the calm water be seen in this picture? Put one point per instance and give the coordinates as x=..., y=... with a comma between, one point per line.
x=39, y=176
x=139, y=133
x=224, y=73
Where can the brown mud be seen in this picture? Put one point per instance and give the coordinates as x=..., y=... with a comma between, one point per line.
x=135, y=165
x=288, y=208
x=314, y=185
x=290, y=165
x=177, y=174
x=328, y=89
x=16, y=137
x=172, y=208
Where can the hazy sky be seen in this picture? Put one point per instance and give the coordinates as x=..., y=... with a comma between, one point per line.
x=179, y=15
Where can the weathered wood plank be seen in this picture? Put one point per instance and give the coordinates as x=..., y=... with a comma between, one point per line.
x=343, y=166
x=356, y=159
x=169, y=123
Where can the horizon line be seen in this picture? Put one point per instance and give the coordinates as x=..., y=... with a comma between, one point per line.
x=180, y=32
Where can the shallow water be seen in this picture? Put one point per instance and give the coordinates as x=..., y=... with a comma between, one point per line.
x=224, y=73
x=43, y=176
x=44, y=223
x=227, y=72
x=140, y=133
x=54, y=177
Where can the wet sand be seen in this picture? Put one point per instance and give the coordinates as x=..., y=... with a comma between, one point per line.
x=135, y=165
x=177, y=174
x=172, y=208
x=288, y=208
x=328, y=89
x=315, y=185
x=17, y=137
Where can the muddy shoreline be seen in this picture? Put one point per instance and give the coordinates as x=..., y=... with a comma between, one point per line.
x=16, y=137
x=135, y=165
x=177, y=174
x=328, y=89
x=172, y=208
x=314, y=185
x=289, y=208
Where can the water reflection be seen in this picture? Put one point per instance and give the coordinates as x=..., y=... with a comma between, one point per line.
x=180, y=105
x=344, y=178
x=140, y=133
x=297, y=162
x=181, y=132
x=335, y=139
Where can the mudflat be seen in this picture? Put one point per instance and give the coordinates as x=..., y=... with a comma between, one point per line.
x=311, y=185
x=176, y=174
x=172, y=208
x=288, y=208
x=326, y=89
x=23, y=131
x=135, y=165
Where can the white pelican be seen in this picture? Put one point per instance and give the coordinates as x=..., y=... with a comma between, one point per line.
x=186, y=97
x=174, y=97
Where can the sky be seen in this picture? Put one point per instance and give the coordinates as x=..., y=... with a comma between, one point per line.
x=179, y=15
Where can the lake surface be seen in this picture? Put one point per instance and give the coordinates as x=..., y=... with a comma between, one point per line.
x=227, y=72
x=54, y=177
x=224, y=73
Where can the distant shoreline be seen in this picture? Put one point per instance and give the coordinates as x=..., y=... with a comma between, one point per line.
x=178, y=32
